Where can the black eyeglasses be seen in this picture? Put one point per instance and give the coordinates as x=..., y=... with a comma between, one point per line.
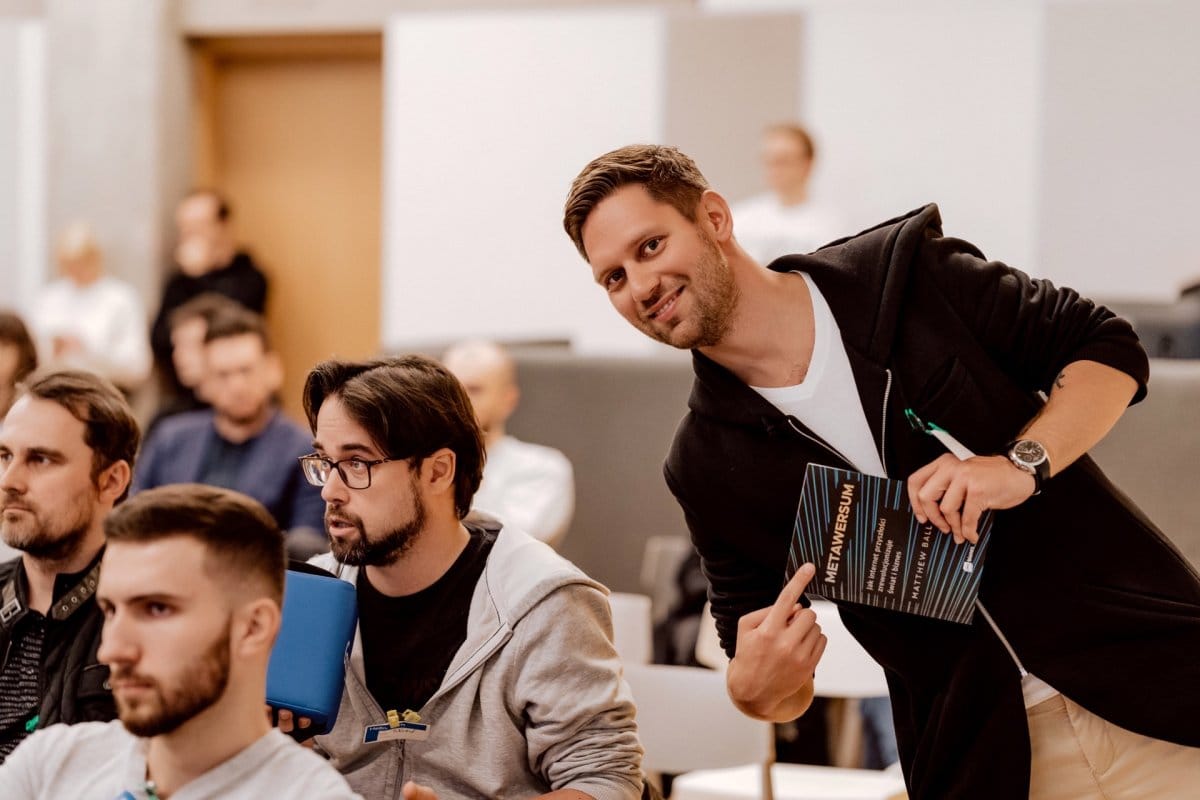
x=355, y=472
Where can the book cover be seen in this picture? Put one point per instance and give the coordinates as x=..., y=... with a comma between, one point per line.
x=868, y=547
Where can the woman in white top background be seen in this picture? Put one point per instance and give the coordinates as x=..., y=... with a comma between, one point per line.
x=90, y=320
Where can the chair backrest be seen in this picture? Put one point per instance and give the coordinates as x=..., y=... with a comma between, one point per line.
x=631, y=627
x=846, y=669
x=687, y=722
x=1152, y=453
x=661, y=560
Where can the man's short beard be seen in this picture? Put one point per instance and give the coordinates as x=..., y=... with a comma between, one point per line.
x=49, y=546
x=714, y=297
x=198, y=688
x=387, y=549
x=50, y=549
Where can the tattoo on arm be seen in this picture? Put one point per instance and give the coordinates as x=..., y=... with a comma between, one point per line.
x=1059, y=380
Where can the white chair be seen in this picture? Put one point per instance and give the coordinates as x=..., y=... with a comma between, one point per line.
x=847, y=671
x=686, y=722
x=632, y=632
x=689, y=727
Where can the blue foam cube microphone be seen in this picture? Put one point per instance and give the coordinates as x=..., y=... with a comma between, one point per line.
x=308, y=664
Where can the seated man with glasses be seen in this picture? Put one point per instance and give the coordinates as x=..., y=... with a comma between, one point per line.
x=483, y=664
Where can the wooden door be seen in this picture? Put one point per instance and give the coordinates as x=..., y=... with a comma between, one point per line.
x=290, y=129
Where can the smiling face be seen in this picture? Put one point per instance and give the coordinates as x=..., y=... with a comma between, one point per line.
x=166, y=635
x=49, y=500
x=663, y=272
x=374, y=526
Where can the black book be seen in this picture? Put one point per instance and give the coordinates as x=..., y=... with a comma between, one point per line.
x=868, y=547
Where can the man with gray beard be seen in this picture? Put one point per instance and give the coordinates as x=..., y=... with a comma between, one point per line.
x=191, y=595
x=66, y=454
x=483, y=665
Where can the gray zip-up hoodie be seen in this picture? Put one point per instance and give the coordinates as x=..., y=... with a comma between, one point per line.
x=533, y=700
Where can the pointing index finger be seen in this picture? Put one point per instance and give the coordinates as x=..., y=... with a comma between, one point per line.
x=790, y=596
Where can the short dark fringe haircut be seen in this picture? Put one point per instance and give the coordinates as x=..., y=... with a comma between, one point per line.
x=411, y=407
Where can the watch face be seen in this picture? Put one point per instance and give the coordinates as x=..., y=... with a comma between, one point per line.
x=1029, y=451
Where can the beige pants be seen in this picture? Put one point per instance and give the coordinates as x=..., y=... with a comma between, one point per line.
x=1079, y=756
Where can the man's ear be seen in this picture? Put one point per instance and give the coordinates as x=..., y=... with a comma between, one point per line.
x=113, y=480
x=255, y=626
x=714, y=215
x=439, y=469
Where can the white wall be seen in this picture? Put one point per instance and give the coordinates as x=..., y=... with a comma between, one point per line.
x=488, y=118
x=1120, y=163
x=1059, y=135
x=928, y=101
x=22, y=161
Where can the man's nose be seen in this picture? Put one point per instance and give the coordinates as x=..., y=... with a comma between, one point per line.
x=643, y=283
x=12, y=480
x=335, y=491
x=117, y=645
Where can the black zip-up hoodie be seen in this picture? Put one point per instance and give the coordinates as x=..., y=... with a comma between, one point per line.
x=74, y=684
x=1093, y=598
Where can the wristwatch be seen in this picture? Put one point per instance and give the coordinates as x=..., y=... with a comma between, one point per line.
x=1030, y=456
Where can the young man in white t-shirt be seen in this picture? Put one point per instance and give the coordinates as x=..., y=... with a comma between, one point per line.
x=191, y=586
x=786, y=219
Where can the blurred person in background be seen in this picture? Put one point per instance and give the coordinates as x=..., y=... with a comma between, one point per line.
x=786, y=219
x=208, y=260
x=66, y=454
x=18, y=358
x=188, y=326
x=89, y=320
x=529, y=486
x=244, y=442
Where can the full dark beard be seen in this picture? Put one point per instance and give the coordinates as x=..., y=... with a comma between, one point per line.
x=199, y=687
x=387, y=549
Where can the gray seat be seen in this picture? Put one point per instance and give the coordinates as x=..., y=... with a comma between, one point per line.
x=1153, y=453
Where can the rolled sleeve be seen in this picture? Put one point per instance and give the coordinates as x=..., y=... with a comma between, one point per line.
x=581, y=732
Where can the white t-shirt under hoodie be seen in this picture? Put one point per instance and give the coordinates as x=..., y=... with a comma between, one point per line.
x=828, y=403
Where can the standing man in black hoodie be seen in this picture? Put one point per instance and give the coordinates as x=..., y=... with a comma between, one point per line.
x=1077, y=678
x=208, y=260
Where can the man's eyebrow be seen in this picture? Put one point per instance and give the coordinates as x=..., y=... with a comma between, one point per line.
x=47, y=452
x=142, y=599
